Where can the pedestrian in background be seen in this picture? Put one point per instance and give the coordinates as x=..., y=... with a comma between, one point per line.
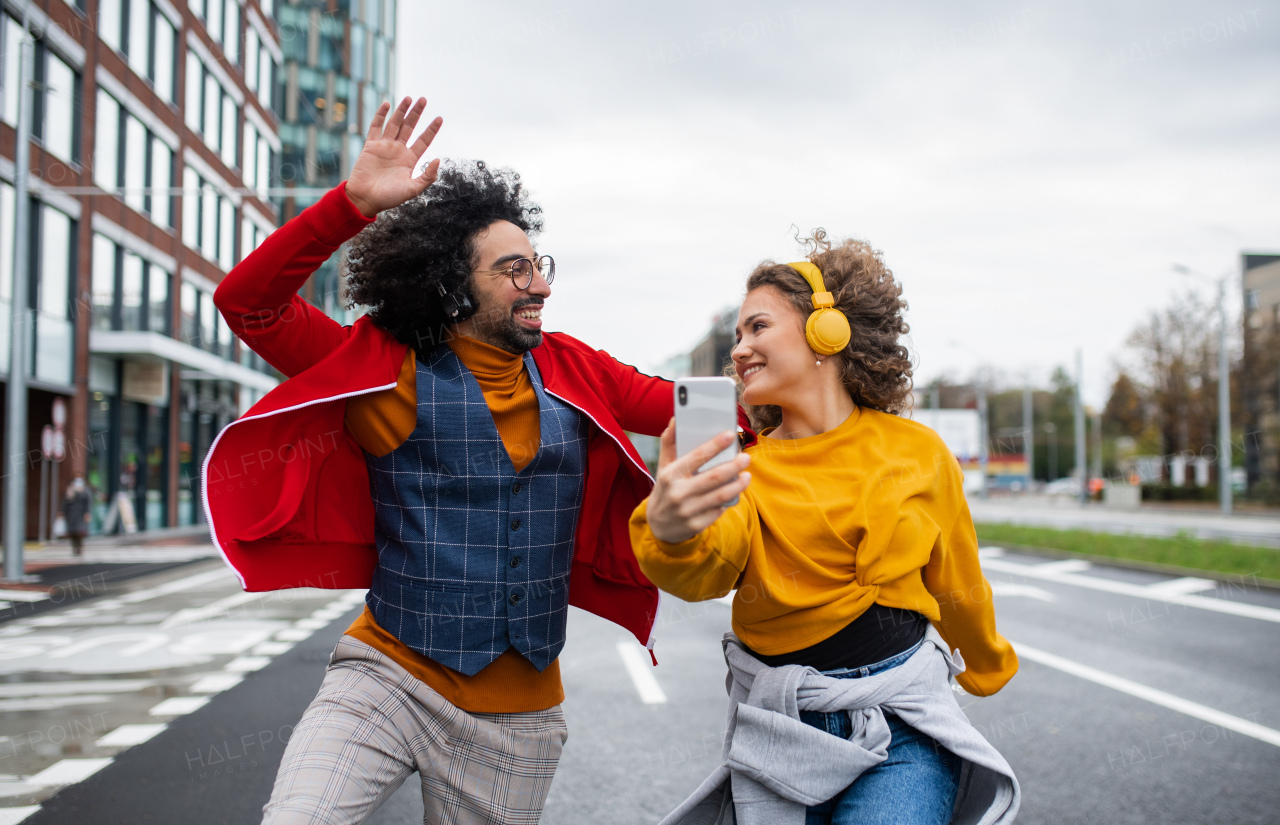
x=75, y=511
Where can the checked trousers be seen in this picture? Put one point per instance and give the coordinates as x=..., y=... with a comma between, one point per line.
x=372, y=724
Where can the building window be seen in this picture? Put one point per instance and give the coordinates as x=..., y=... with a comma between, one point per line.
x=103, y=288
x=135, y=163
x=163, y=56
x=129, y=292
x=106, y=148
x=1251, y=300
x=55, y=336
x=230, y=118
x=8, y=202
x=208, y=222
x=257, y=160
x=210, y=110
x=56, y=100
x=12, y=37
x=159, y=201
x=231, y=31
x=60, y=107
x=251, y=45
x=137, y=46
x=142, y=163
x=190, y=310
x=110, y=18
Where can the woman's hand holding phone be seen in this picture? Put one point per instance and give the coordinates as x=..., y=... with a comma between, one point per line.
x=685, y=502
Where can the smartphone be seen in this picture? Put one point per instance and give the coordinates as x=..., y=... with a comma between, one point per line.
x=706, y=407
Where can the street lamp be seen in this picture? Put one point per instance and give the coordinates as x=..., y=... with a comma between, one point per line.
x=1224, y=388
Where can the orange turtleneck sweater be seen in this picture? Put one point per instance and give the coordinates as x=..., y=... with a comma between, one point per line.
x=380, y=422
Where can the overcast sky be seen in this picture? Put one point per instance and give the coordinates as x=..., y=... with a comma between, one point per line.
x=1029, y=170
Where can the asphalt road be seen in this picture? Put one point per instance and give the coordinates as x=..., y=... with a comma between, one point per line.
x=1140, y=699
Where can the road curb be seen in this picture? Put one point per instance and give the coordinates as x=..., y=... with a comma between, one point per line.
x=1131, y=564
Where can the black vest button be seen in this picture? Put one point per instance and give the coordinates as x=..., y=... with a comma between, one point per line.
x=515, y=598
x=515, y=488
x=515, y=561
x=515, y=524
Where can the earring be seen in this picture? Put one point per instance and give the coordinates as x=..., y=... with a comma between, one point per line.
x=817, y=363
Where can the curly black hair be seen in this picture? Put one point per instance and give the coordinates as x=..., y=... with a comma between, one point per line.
x=394, y=266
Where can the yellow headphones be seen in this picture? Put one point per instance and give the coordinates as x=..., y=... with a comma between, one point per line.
x=827, y=329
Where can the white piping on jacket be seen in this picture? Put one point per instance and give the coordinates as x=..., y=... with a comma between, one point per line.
x=643, y=469
x=204, y=488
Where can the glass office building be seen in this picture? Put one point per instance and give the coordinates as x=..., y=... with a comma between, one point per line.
x=338, y=66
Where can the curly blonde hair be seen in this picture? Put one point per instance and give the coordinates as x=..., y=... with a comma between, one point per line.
x=875, y=366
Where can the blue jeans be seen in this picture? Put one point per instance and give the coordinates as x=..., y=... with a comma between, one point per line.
x=915, y=785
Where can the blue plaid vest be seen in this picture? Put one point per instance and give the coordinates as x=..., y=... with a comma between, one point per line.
x=474, y=557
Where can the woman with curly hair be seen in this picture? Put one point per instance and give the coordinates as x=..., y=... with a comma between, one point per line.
x=855, y=564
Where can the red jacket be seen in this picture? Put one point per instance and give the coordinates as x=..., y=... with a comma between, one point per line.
x=285, y=486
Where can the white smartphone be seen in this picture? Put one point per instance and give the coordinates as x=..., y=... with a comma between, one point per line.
x=706, y=407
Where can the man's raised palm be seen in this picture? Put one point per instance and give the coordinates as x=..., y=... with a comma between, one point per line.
x=382, y=177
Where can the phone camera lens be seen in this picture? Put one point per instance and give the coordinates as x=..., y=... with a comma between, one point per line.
x=684, y=396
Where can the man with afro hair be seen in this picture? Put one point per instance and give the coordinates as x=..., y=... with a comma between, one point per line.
x=443, y=451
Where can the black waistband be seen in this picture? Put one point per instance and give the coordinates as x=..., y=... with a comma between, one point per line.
x=876, y=635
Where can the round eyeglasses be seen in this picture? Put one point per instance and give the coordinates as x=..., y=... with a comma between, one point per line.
x=521, y=270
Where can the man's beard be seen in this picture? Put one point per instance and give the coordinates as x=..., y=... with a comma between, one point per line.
x=497, y=326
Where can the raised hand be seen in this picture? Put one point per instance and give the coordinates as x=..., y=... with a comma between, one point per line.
x=382, y=177
x=685, y=502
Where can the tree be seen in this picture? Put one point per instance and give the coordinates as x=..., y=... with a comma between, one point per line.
x=1125, y=413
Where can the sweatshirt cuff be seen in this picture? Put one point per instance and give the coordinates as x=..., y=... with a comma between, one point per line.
x=334, y=219
x=643, y=532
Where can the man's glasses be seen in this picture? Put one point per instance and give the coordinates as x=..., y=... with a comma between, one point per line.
x=521, y=270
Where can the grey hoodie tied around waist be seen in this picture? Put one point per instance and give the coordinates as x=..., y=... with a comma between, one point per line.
x=774, y=765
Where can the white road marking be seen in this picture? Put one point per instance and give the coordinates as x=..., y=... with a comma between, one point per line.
x=30, y=703
x=1064, y=566
x=244, y=664
x=24, y=595
x=68, y=771
x=191, y=615
x=1036, y=571
x=12, y=816
x=270, y=648
x=126, y=736
x=293, y=634
x=222, y=574
x=1028, y=590
x=990, y=552
x=641, y=672
x=311, y=624
x=9, y=690
x=1186, y=584
x=179, y=706
x=1150, y=694
x=217, y=682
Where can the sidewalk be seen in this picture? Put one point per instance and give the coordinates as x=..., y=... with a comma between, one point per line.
x=1255, y=529
x=54, y=577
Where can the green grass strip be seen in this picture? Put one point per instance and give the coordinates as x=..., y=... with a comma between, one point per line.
x=1183, y=550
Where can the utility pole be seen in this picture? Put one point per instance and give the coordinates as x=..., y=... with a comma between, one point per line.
x=1097, y=444
x=1029, y=437
x=1224, y=389
x=1224, y=403
x=15, y=503
x=1081, y=469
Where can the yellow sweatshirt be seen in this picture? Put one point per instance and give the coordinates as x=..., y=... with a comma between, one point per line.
x=870, y=512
